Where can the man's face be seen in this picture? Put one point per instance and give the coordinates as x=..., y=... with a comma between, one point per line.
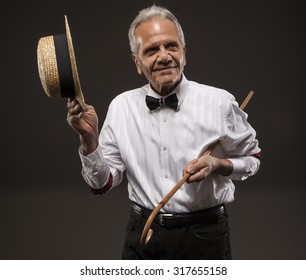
x=161, y=56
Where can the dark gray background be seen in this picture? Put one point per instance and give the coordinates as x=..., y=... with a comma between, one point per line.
x=46, y=209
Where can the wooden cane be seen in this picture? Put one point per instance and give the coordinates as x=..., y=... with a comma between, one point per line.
x=147, y=231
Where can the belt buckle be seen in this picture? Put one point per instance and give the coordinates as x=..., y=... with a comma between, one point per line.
x=161, y=218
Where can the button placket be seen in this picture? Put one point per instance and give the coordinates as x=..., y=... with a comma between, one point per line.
x=164, y=149
x=165, y=139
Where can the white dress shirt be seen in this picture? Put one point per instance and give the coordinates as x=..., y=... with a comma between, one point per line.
x=154, y=147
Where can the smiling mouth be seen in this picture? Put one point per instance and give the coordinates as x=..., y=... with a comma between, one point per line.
x=164, y=68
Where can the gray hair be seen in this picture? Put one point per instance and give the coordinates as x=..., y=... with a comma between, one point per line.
x=145, y=15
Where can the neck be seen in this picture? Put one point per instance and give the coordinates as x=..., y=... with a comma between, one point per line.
x=165, y=90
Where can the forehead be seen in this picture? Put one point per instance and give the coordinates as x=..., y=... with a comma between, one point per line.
x=155, y=30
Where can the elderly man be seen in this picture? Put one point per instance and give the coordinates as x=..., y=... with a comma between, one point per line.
x=157, y=133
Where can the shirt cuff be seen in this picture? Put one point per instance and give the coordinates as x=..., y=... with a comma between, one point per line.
x=91, y=159
x=243, y=167
x=94, y=169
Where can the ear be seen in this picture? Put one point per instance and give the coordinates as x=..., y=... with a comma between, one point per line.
x=185, y=62
x=137, y=63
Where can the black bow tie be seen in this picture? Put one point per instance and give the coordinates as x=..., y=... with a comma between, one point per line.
x=153, y=103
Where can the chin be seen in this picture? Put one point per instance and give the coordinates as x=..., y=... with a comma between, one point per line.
x=167, y=79
x=169, y=82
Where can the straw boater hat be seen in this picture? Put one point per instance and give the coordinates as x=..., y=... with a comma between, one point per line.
x=57, y=66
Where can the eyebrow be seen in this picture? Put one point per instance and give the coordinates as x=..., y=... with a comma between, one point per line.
x=156, y=45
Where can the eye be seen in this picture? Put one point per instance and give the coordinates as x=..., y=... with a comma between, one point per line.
x=172, y=46
x=150, y=51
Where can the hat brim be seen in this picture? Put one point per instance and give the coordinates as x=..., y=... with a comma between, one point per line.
x=77, y=85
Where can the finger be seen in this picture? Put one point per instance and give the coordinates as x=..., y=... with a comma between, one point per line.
x=75, y=110
x=194, y=166
x=74, y=119
x=199, y=176
x=72, y=102
x=188, y=167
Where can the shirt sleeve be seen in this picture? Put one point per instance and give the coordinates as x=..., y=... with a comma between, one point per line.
x=240, y=143
x=103, y=168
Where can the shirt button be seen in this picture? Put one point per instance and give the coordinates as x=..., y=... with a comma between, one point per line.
x=164, y=120
x=164, y=148
x=169, y=204
x=166, y=176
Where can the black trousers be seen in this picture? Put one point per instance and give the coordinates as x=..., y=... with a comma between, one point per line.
x=208, y=240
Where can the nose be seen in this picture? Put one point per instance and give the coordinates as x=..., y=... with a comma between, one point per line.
x=164, y=56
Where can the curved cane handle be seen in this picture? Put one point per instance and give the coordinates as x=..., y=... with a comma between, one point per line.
x=147, y=231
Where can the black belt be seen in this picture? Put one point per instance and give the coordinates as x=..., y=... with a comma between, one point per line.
x=172, y=220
